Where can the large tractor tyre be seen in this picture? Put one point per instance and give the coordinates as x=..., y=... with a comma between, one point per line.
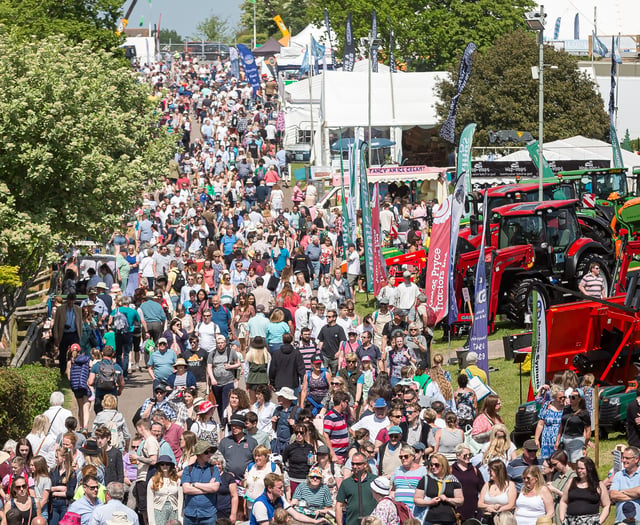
x=520, y=298
x=582, y=269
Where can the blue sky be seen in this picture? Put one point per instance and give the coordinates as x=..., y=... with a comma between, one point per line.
x=183, y=15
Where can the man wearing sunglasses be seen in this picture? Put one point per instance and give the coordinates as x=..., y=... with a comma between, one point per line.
x=200, y=483
x=354, y=495
x=88, y=502
x=413, y=430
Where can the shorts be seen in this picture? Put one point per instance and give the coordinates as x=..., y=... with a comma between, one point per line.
x=81, y=392
x=352, y=278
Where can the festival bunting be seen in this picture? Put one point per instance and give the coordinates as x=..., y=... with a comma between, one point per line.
x=448, y=129
x=250, y=67
x=479, y=340
x=349, y=57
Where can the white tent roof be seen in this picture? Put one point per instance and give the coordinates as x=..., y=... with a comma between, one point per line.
x=577, y=148
x=303, y=38
x=346, y=98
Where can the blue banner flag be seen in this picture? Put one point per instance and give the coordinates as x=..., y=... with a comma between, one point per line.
x=615, y=51
x=374, y=49
x=448, y=129
x=479, y=341
x=598, y=47
x=367, y=220
x=349, y=57
x=392, y=56
x=250, y=67
x=304, y=67
x=327, y=24
x=556, y=29
x=576, y=27
x=317, y=52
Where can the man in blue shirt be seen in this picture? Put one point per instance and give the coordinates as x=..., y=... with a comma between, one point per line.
x=89, y=501
x=227, y=241
x=221, y=316
x=110, y=370
x=153, y=316
x=200, y=483
x=161, y=363
x=113, y=506
x=626, y=483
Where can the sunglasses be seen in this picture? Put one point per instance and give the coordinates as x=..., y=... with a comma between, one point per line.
x=298, y=433
x=435, y=465
x=465, y=456
x=20, y=487
x=404, y=456
x=91, y=487
x=315, y=477
x=575, y=397
x=357, y=464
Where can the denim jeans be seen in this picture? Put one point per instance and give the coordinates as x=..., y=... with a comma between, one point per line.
x=209, y=520
x=58, y=509
x=123, y=349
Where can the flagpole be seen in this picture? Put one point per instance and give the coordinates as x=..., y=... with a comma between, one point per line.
x=595, y=31
x=617, y=51
x=312, y=156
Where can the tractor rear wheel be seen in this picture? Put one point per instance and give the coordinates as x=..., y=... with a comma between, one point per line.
x=520, y=298
x=583, y=268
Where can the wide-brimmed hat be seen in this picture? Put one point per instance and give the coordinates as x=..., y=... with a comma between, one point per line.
x=101, y=285
x=237, y=420
x=119, y=517
x=115, y=288
x=380, y=403
x=204, y=407
x=381, y=485
x=165, y=460
x=71, y=518
x=180, y=362
x=287, y=393
x=90, y=448
x=202, y=446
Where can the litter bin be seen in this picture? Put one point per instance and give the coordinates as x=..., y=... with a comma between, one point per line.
x=461, y=354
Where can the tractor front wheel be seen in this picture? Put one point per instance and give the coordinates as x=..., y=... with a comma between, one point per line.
x=521, y=298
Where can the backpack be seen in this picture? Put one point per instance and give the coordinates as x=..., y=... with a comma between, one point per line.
x=179, y=282
x=404, y=513
x=464, y=408
x=115, y=440
x=120, y=323
x=106, y=376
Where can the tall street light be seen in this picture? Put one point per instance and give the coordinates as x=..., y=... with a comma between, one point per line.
x=535, y=21
x=371, y=42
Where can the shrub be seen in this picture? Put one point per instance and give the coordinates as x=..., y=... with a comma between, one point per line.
x=24, y=393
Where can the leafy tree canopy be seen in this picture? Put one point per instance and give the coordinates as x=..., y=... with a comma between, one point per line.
x=501, y=93
x=79, y=147
x=214, y=29
x=79, y=20
x=167, y=36
x=293, y=13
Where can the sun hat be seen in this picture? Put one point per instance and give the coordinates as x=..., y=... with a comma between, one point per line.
x=70, y=518
x=90, y=448
x=380, y=403
x=381, y=485
x=115, y=288
x=101, y=285
x=201, y=447
x=165, y=459
x=315, y=472
x=287, y=393
x=237, y=420
x=204, y=407
x=180, y=362
x=395, y=429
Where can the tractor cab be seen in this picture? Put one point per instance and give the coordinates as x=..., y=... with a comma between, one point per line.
x=550, y=227
x=599, y=187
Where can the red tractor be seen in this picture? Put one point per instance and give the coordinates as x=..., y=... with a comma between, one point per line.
x=531, y=245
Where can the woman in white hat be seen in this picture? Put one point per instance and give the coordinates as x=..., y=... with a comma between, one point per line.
x=164, y=493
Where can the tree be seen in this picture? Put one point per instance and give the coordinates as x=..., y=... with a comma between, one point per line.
x=501, y=93
x=429, y=35
x=214, y=29
x=79, y=20
x=167, y=36
x=80, y=145
x=626, y=142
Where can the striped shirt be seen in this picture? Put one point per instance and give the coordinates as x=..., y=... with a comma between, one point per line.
x=406, y=482
x=593, y=285
x=317, y=499
x=335, y=426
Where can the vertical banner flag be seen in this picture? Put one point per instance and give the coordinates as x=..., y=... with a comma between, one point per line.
x=354, y=165
x=250, y=68
x=448, y=129
x=235, y=66
x=556, y=29
x=457, y=209
x=464, y=155
x=379, y=265
x=367, y=223
x=479, y=340
x=615, y=143
x=598, y=46
x=615, y=50
x=349, y=58
x=533, y=148
x=345, y=212
x=374, y=49
x=282, y=27
x=317, y=52
x=538, y=342
x=304, y=67
x=437, y=284
x=327, y=24
x=576, y=27
x=392, y=56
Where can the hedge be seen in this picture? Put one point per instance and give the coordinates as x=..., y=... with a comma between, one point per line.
x=24, y=393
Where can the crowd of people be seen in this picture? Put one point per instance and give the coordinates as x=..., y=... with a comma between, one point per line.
x=271, y=398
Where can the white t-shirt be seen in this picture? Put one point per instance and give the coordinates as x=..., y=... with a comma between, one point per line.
x=207, y=333
x=259, y=510
x=353, y=263
x=373, y=425
x=407, y=295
